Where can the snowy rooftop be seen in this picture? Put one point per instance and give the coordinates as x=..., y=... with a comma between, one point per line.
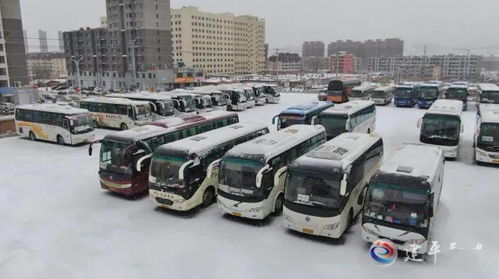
x=384, y=88
x=488, y=87
x=348, y=108
x=116, y=101
x=140, y=95
x=364, y=87
x=413, y=160
x=63, y=109
x=490, y=115
x=452, y=107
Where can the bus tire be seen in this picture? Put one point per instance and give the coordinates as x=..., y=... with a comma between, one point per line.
x=278, y=205
x=96, y=124
x=123, y=127
x=60, y=140
x=350, y=219
x=32, y=136
x=368, y=131
x=208, y=196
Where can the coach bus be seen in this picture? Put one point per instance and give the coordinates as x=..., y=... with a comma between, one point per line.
x=459, y=93
x=489, y=94
x=382, y=95
x=354, y=117
x=252, y=174
x=427, y=94
x=121, y=152
x=160, y=104
x=338, y=91
x=183, y=101
x=184, y=174
x=272, y=93
x=237, y=98
x=117, y=113
x=405, y=96
x=362, y=93
x=218, y=98
x=325, y=188
x=257, y=92
x=51, y=122
x=403, y=197
x=301, y=114
x=486, y=141
x=442, y=126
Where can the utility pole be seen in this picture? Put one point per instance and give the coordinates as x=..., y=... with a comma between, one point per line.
x=77, y=63
x=277, y=64
x=134, y=67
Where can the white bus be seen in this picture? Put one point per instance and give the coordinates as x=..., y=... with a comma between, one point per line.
x=250, y=95
x=354, y=117
x=184, y=174
x=273, y=93
x=489, y=94
x=325, y=188
x=160, y=104
x=218, y=98
x=260, y=98
x=51, y=122
x=237, y=98
x=442, y=126
x=183, y=101
x=118, y=113
x=486, y=141
x=382, y=95
x=403, y=197
x=361, y=93
x=251, y=175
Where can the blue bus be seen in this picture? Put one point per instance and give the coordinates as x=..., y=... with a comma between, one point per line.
x=428, y=93
x=405, y=96
x=301, y=114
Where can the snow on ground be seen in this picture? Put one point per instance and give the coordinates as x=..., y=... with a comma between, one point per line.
x=56, y=222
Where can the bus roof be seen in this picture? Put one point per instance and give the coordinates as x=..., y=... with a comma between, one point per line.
x=140, y=95
x=489, y=113
x=348, y=108
x=203, y=143
x=448, y=107
x=364, y=87
x=414, y=160
x=178, y=93
x=437, y=85
x=458, y=86
x=175, y=121
x=384, y=88
x=307, y=108
x=55, y=108
x=339, y=152
x=273, y=144
x=488, y=87
x=138, y=133
x=409, y=86
x=114, y=101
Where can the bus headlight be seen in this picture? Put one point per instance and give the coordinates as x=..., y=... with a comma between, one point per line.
x=331, y=227
x=288, y=218
x=481, y=153
x=255, y=210
x=368, y=230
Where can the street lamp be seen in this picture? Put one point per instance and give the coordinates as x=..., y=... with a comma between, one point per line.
x=77, y=63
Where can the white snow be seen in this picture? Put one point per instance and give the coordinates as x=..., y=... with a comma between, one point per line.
x=56, y=222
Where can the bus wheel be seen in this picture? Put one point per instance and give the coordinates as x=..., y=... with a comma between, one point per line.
x=32, y=136
x=60, y=140
x=278, y=205
x=123, y=127
x=96, y=124
x=208, y=197
x=350, y=219
x=368, y=131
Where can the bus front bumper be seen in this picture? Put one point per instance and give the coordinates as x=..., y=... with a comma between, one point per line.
x=126, y=187
x=84, y=138
x=244, y=210
x=327, y=227
x=486, y=156
x=171, y=201
x=405, y=241
x=451, y=152
x=425, y=104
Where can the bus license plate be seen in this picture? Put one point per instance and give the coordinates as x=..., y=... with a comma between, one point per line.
x=236, y=214
x=308, y=231
x=495, y=161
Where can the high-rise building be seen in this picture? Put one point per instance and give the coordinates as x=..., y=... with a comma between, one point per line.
x=313, y=49
x=344, y=63
x=13, y=68
x=284, y=63
x=42, y=37
x=133, y=51
x=218, y=44
x=60, y=37
x=47, y=65
x=26, y=44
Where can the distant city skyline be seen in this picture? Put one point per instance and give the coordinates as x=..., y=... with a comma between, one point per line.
x=315, y=20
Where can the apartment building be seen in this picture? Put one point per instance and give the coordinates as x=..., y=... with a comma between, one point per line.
x=49, y=65
x=218, y=43
x=313, y=49
x=284, y=63
x=13, y=69
x=133, y=51
x=344, y=63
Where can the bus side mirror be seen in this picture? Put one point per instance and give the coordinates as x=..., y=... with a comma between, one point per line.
x=348, y=125
x=182, y=169
x=140, y=161
x=274, y=119
x=343, y=186
x=419, y=122
x=314, y=120
x=260, y=174
x=91, y=147
x=145, y=146
x=211, y=167
x=278, y=174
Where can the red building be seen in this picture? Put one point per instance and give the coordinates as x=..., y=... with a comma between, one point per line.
x=343, y=63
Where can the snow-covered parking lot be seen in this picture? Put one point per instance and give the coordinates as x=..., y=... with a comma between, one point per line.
x=56, y=222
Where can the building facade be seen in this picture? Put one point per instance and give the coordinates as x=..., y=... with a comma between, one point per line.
x=45, y=66
x=313, y=49
x=449, y=67
x=132, y=52
x=344, y=63
x=43, y=41
x=218, y=44
x=13, y=68
x=284, y=63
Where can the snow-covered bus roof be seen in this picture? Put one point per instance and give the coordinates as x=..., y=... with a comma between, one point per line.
x=488, y=87
x=489, y=113
x=138, y=133
x=273, y=144
x=305, y=109
x=204, y=143
x=414, y=160
x=140, y=95
x=175, y=121
x=62, y=109
x=115, y=101
x=384, y=88
x=339, y=152
x=447, y=107
x=458, y=86
x=365, y=87
x=348, y=108
x=178, y=93
x=408, y=86
x=432, y=85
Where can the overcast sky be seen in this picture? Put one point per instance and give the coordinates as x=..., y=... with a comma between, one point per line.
x=453, y=25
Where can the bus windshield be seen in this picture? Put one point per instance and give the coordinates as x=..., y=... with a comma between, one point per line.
x=335, y=124
x=428, y=93
x=403, y=93
x=314, y=189
x=379, y=94
x=190, y=104
x=358, y=93
x=398, y=204
x=115, y=157
x=290, y=120
x=166, y=108
x=459, y=94
x=166, y=170
x=143, y=111
x=490, y=97
x=240, y=176
x=440, y=129
x=81, y=123
x=489, y=136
